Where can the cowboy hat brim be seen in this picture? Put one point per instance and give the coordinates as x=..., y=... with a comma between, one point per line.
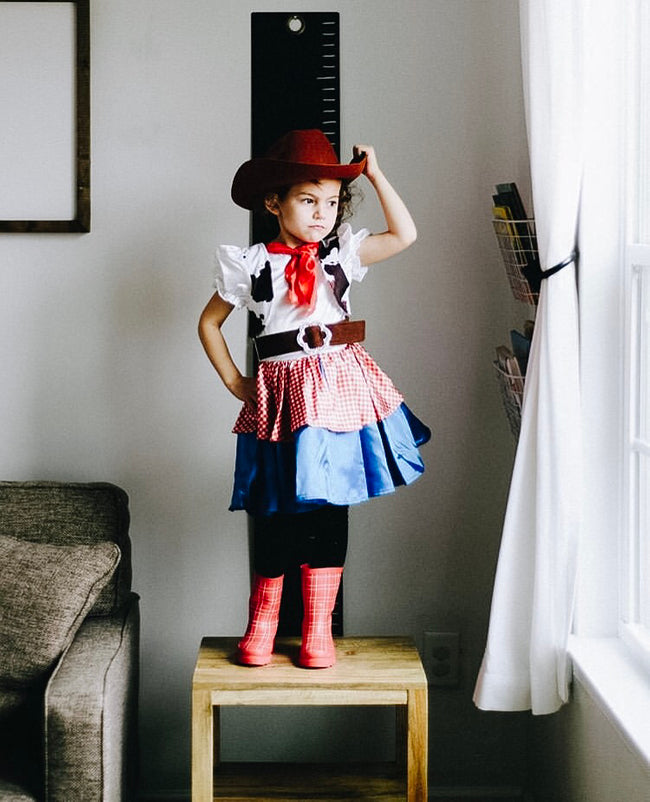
x=259, y=176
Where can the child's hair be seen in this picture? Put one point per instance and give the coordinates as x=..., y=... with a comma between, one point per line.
x=349, y=196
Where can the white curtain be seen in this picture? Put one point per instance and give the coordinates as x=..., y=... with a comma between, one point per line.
x=525, y=666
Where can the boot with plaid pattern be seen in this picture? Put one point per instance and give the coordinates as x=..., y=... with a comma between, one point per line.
x=319, y=589
x=256, y=647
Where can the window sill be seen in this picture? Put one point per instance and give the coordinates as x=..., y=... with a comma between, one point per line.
x=618, y=684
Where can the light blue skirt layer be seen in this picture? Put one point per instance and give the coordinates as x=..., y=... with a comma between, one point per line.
x=322, y=467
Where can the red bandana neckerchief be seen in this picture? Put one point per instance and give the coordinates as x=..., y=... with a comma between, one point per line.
x=300, y=272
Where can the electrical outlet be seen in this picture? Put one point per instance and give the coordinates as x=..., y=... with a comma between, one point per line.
x=442, y=657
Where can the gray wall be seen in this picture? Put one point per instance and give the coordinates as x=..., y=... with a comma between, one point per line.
x=578, y=755
x=104, y=378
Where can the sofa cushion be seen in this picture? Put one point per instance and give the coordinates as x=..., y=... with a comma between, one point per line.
x=45, y=593
x=71, y=514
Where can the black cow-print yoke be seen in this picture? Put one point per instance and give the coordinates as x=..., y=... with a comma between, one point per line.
x=262, y=285
x=339, y=284
x=328, y=252
x=327, y=246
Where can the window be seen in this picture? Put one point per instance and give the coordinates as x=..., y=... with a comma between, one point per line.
x=635, y=613
x=610, y=647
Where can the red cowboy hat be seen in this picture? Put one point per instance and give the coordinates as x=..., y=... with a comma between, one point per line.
x=297, y=156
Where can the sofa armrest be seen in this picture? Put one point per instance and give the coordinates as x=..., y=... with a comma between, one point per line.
x=91, y=712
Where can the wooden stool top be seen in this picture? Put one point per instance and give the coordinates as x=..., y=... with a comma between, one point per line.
x=363, y=664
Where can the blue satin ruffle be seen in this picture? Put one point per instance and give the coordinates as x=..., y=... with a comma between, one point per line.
x=324, y=467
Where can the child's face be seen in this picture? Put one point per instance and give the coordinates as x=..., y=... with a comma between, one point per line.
x=308, y=211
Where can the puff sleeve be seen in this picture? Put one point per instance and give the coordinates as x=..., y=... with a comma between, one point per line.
x=233, y=271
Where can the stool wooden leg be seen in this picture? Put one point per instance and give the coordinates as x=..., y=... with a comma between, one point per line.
x=202, y=746
x=216, y=736
x=401, y=732
x=417, y=746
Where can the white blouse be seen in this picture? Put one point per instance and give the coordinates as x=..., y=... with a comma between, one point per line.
x=253, y=278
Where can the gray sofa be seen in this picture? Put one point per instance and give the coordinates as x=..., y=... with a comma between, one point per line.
x=69, y=636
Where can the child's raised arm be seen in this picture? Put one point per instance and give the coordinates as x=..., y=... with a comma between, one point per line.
x=400, y=231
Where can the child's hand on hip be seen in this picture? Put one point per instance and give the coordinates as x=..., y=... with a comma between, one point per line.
x=245, y=389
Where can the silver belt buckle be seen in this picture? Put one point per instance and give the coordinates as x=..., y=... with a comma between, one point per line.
x=301, y=337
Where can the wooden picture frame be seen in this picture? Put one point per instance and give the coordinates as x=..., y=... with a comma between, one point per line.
x=73, y=206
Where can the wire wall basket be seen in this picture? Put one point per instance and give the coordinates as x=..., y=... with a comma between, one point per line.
x=517, y=241
x=512, y=393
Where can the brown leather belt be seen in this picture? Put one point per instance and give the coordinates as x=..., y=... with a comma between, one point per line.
x=310, y=338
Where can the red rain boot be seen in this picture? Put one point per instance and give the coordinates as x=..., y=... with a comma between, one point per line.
x=319, y=589
x=256, y=647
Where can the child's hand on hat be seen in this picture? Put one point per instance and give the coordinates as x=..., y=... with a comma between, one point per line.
x=371, y=169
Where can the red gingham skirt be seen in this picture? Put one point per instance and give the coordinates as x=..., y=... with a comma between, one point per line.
x=342, y=391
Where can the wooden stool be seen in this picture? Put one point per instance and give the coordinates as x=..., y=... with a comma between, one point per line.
x=369, y=671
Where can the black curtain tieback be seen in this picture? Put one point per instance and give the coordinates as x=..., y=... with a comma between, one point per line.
x=534, y=274
x=556, y=268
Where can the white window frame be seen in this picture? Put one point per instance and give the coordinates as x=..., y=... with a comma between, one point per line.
x=635, y=575
x=609, y=650
x=634, y=588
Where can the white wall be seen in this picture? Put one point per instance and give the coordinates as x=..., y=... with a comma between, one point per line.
x=103, y=376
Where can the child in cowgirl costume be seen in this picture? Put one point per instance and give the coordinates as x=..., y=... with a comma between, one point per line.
x=322, y=426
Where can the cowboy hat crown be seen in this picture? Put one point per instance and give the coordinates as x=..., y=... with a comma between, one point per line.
x=303, y=155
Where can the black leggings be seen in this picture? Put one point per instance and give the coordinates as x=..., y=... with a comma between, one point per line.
x=319, y=538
